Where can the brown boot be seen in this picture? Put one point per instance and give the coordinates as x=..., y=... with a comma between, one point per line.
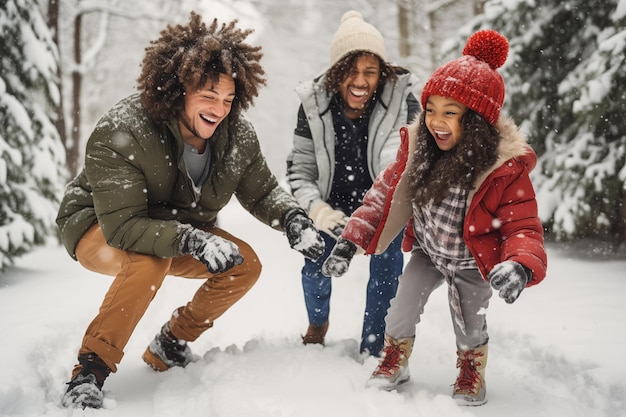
x=470, y=387
x=315, y=334
x=85, y=388
x=393, y=368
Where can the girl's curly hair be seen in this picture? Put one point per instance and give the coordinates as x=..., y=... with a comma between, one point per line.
x=189, y=56
x=435, y=171
x=342, y=69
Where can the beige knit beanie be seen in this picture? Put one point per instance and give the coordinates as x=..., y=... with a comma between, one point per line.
x=354, y=34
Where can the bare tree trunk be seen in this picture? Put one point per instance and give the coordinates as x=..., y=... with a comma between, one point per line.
x=83, y=62
x=622, y=231
x=479, y=7
x=53, y=24
x=73, y=150
x=404, y=21
x=432, y=41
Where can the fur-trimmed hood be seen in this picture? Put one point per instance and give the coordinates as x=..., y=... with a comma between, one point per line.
x=513, y=145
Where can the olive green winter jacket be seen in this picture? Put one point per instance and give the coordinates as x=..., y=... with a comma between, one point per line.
x=135, y=185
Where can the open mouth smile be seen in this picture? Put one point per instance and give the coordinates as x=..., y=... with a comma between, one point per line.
x=442, y=135
x=209, y=120
x=358, y=93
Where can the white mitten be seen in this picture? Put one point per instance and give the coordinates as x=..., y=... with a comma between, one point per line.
x=328, y=219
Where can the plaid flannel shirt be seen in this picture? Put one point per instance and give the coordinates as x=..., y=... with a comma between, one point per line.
x=439, y=233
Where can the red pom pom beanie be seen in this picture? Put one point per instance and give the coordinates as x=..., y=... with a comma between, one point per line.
x=472, y=79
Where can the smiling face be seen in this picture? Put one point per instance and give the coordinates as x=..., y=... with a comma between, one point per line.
x=359, y=86
x=443, y=120
x=205, y=109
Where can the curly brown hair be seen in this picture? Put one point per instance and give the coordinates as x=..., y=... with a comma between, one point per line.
x=189, y=56
x=436, y=171
x=338, y=72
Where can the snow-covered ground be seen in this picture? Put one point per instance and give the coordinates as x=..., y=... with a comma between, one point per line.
x=558, y=351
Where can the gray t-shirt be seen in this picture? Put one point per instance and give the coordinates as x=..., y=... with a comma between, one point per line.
x=197, y=164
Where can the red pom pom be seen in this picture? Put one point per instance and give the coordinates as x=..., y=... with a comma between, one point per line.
x=488, y=46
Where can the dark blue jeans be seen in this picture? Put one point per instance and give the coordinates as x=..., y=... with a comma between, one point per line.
x=381, y=288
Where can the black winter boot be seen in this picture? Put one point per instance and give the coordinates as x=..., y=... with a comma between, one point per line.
x=85, y=388
x=166, y=351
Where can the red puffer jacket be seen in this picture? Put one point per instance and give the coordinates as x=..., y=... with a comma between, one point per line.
x=501, y=222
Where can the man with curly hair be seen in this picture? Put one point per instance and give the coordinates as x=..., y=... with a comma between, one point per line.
x=159, y=167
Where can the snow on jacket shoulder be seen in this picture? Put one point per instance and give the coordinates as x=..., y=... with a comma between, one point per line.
x=501, y=222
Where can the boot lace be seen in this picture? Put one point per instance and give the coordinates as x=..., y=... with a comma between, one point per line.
x=469, y=378
x=392, y=356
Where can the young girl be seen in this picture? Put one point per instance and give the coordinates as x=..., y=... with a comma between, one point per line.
x=461, y=182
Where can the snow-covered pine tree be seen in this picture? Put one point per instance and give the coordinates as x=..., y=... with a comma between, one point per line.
x=32, y=172
x=565, y=79
x=593, y=150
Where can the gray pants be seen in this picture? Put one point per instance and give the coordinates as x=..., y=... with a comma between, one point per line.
x=419, y=279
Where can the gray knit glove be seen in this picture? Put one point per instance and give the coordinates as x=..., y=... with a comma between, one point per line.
x=218, y=254
x=509, y=278
x=339, y=259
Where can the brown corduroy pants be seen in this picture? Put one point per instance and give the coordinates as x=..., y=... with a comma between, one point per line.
x=137, y=279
